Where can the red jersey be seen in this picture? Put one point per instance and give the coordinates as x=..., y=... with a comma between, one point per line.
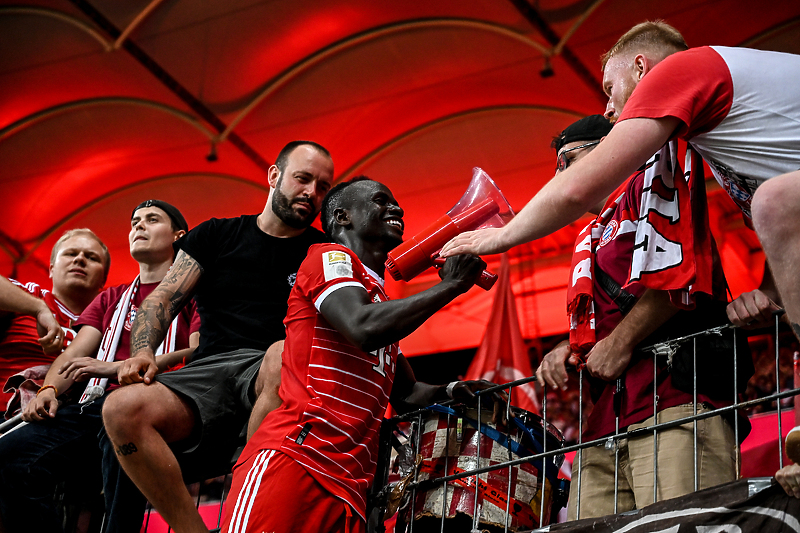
x=334, y=395
x=738, y=108
x=613, y=256
x=19, y=347
x=100, y=312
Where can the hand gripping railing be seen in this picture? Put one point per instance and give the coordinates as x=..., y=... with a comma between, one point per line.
x=471, y=478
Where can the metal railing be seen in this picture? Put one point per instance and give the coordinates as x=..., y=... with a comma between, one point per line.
x=522, y=446
x=421, y=478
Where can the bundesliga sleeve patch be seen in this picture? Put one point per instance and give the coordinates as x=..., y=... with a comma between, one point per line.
x=337, y=265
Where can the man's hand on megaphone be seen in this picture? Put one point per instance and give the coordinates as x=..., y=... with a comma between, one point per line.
x=464, y=270
x=479, y=242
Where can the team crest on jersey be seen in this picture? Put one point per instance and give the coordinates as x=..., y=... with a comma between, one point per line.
x=609, y=233
x=131, y=317
x=337, y=265
x=739, y=188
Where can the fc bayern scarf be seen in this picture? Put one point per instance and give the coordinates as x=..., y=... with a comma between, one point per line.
x=673, y=244
x=108, y=346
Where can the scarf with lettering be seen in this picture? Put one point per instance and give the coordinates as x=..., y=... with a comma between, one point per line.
x=673, y=244
x=108, y=346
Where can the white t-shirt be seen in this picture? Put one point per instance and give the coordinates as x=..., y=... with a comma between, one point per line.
x=739, y=108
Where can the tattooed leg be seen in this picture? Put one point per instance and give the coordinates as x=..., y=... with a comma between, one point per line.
x=141, y=420
x=126, y=449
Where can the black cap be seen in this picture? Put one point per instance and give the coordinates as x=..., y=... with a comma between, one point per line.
x=172, y=211
x=591, y=128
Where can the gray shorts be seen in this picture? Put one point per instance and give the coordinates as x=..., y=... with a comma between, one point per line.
x=219, y=388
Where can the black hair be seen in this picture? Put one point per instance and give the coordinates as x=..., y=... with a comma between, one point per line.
x=333, y=200
x=286, y=151
x=591, y=128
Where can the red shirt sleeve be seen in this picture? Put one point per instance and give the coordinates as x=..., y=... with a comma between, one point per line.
x=694, y=86
x=326, y=268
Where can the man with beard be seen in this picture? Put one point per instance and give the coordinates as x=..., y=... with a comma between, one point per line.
x=240, y=272
x=308, y=466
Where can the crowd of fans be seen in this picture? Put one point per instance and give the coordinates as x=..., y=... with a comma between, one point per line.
x=263, y=342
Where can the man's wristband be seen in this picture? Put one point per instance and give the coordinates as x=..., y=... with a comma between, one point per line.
x=450, y=388
x=45, y=387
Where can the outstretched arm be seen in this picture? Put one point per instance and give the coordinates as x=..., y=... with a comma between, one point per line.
x=409, y=394
x=570, y=194
x=15, y=300
x=370, y=325
x=154, y=317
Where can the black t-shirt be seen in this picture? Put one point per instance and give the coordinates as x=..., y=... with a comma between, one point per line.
x=247, y=276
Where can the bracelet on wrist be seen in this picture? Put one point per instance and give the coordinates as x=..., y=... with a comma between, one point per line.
x=45, y=387
x=450, y=388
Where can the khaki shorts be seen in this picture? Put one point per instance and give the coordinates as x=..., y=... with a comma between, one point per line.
x=716, y=464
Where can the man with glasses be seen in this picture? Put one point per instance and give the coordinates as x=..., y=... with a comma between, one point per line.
x=623, y=316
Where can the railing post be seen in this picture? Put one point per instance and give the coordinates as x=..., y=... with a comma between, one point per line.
x=579, y=453
x=694, y=407
x=476, y=511
x=508, y=490
x=655, y=422
x=446, y=470
x=778, y=389
x=544, y=449
x=735, y=403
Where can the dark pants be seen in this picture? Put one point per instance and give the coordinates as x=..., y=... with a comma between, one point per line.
x=73, y=448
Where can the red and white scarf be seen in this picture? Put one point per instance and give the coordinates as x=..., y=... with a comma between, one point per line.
x=108, y=346
x=673, y=246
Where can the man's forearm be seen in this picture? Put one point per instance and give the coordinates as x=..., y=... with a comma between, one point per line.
x=159, y=309
x=15, y=300
x=169, y=360
x=570, y=194
x=85, y=344
x=651, y=312
x=149, y=328
x=376, y=325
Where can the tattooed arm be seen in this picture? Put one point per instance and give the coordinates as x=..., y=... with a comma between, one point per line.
x=154, y=317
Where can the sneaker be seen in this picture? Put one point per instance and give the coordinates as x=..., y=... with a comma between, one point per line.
x=793, y=445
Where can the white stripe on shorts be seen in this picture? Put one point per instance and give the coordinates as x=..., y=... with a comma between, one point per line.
x=249, y=491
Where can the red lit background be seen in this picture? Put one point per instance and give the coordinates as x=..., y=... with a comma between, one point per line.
x=413, y=94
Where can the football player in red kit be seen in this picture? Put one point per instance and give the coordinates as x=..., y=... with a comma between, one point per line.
x=310, y=463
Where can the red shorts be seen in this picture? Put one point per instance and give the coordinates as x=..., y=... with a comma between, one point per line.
x=272, y=492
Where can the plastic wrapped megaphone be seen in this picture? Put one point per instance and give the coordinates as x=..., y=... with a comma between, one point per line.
x=482, y=206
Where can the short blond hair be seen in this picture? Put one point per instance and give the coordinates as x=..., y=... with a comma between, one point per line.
x=656, y=37
x=86, y=232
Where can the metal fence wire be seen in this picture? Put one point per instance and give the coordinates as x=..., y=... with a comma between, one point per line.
x=452, y=469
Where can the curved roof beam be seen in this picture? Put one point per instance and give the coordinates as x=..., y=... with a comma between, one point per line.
x=769, y=32
x=570, y=32
x=375, y=33
x=390, y=144
x=37, y=241
x=135, y=23
x=39, y=116
x=61, y=16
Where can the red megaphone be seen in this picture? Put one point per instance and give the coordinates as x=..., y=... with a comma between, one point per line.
x=482, y=206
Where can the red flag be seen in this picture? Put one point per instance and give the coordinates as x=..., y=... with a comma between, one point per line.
x=502, y=355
